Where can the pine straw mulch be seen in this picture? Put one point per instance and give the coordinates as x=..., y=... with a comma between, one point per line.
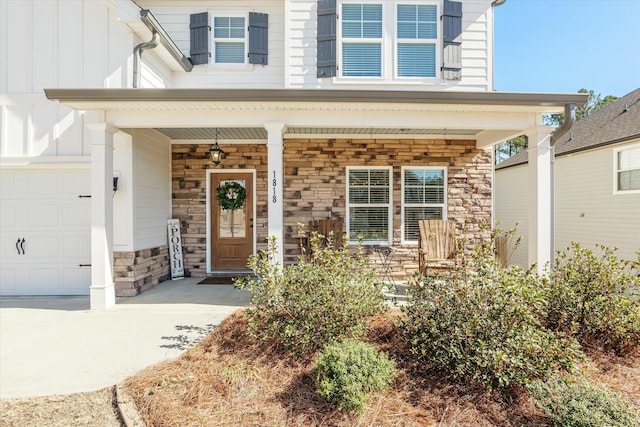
x=95, y=408
x=231, y=379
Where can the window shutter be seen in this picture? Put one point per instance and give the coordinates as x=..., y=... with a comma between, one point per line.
x=452, y=30
x=326, y=40
x=258, y=38
x=200, y=29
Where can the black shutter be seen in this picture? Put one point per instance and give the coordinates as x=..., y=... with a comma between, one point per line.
x=326, y=41
x=200, y=29
x=452, y=30
x=258, y=38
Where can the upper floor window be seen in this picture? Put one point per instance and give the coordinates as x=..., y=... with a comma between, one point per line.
x=627, y=164
x=405, y=32
x=416, y=36
x=362, y=40
x=424, y=192
x=369, y=214
x=229, y=39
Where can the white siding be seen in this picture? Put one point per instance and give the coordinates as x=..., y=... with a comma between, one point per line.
x=586, y=209
x=152, y=188
x=511, y=206
x=49, y=44
x=174, y=17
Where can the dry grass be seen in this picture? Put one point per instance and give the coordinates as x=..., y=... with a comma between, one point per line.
x=81, y=409
x=231, y=379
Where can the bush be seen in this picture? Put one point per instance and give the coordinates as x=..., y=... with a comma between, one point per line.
x=595, y=296
x=315, y=302
x=582, y=404
x=482, y=325
x=348, y=371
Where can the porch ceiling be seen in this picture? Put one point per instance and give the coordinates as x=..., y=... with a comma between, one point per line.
x=255, y=133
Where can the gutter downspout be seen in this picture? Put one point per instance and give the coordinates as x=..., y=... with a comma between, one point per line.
x=494, y=4
x=137, y=56
x=569, y=120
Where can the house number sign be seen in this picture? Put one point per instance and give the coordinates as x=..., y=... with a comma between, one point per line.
x=274, y=185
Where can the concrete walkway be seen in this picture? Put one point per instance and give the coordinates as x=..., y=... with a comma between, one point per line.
x=56, y=345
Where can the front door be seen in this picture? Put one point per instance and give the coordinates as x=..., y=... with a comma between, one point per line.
x=231, y=229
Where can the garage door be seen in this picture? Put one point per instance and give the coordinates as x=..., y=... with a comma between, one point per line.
x=45, y=234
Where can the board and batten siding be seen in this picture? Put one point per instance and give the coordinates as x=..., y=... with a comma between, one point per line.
x=477, y=17
x=586, y=209
x=511, y=208
x=152, y=188
x=174, y=17
x=56, y=44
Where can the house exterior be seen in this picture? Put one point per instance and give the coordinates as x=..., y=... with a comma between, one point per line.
x=597, y=183
x=377, y=113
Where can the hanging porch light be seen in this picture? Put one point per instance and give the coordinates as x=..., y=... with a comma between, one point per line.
x=215, y=152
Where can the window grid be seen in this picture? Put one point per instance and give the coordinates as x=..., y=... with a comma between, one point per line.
x=416, y=36
x=369, y=205
x=229, y=39
x=424, y=195
x=361, y=43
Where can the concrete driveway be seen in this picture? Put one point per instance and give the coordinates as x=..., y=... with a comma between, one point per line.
x=56, y=345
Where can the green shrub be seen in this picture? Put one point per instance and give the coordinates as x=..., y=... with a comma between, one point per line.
x=481, y=323
x=315, y=302
x=582, y=404
x=594, y=295
x=348, y=371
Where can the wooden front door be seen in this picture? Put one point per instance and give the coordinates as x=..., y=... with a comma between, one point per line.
x=231, y=230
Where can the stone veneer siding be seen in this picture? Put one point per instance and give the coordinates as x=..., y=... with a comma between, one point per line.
x=139, y=271
x=315, y=188
x=315, y=185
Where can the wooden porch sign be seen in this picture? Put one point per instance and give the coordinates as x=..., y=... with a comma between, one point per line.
x=175, y=249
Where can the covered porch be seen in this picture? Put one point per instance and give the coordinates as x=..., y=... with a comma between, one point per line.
x=301, y=152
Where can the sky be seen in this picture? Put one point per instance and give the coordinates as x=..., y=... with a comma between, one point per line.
x=565, y=45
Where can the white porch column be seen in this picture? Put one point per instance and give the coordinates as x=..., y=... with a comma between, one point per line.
x=102, y=290
x=540, y=194
x=275, y=186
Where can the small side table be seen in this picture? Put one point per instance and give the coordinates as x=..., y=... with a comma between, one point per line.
x=385, y=253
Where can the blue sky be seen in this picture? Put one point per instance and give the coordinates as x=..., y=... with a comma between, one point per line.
x=565, y=45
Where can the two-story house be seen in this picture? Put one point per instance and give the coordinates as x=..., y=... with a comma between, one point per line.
x=374, y=112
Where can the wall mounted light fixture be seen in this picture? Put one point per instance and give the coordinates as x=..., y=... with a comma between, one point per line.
x=115, y=184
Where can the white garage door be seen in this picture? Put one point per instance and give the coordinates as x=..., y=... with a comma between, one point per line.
x=45, y=232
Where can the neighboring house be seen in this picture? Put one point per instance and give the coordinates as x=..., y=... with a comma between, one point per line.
x=597, y=183
x=377, y=113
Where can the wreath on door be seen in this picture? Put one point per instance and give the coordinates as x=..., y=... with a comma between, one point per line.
x=231, y=195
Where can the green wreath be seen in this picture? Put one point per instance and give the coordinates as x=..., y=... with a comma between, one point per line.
x=231, y=195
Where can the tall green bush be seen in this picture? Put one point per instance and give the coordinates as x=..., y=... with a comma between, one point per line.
x=596, y=296
x=481, y=324
x=348, y=371
x=315, y=302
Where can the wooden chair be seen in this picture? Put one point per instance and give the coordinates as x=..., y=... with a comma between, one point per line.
x=326, y=228
x=436, y=243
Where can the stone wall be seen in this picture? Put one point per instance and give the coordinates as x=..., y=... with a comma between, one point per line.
x=139, y=271
x=315, y=188
x=315, y=185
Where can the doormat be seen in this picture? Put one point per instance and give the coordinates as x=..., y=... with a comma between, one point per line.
x=217, y=281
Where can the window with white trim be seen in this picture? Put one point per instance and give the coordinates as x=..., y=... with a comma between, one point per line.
x=361, y=40
x=416, y=37
x=407, y=31
x=424, y=194
x=627, y=164
x=229, y=39
x=369, y=207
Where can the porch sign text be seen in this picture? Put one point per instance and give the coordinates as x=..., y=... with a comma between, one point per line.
x=175, y=249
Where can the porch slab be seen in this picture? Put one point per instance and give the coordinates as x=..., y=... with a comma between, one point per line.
x=57, y=345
